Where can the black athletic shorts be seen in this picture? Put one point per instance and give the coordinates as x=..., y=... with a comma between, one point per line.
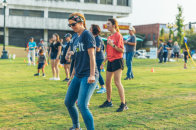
x=176, y=53
x=185, y=60
x=115, y=65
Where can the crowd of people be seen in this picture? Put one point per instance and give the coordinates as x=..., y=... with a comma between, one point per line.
x=165, y=49
x=83, y=58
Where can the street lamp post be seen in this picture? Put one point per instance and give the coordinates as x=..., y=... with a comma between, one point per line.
x=5, y=53
x=170, y=26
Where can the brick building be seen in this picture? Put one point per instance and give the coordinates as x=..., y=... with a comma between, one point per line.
x=152, y=32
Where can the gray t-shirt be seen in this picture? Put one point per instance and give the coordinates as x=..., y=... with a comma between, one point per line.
x=130, y=48
x=161, y=45
x=42, y=58
x=176, y=48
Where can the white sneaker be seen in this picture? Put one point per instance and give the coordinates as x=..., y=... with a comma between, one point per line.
x=57, y=79
x=28, y=64
x=52, y=78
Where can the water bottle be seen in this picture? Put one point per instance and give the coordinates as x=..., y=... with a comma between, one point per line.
x=103, y=70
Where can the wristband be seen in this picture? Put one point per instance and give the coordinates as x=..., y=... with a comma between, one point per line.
x=103, y=63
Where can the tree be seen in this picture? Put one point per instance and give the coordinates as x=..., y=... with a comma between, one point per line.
x=179, y=23
x=162, y=33
x=191, y=35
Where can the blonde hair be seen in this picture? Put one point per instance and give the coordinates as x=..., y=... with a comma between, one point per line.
x=175, y=43
x=81, y=15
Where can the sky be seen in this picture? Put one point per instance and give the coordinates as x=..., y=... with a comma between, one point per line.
x=160, y=11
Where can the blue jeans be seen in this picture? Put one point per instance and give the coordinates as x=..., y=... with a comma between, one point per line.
x=165, y=56
x=129, y=58
x=99, y=62
x=81, y=90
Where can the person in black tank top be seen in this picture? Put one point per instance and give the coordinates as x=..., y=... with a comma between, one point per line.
x=54, y=54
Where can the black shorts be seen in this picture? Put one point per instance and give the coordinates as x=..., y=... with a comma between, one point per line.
x=176, y=54
x=115, y=65
x=40, y=65
x=54, y=56
x=185, y=60
x=64, y=61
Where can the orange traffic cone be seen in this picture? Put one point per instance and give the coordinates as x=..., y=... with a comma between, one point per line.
x=24, y=60
x=46, y=64
x=152, y=70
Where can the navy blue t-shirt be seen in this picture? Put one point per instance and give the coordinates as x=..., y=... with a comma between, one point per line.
x=82, y=59
x=74, y=37
x=65, y=47
x=99, y=44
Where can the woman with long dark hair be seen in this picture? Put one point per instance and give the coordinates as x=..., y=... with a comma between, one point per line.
x=54, y=54
x=115, y=65
x=85, y=74
x=95, y=30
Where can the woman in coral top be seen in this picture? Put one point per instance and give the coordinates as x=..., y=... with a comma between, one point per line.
x=115, y=65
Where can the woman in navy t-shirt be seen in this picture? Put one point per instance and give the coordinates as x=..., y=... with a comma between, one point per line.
x=95, y=30
x=85, y=72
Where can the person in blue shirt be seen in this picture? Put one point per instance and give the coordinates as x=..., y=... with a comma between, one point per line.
x=95, y=30
x=63, y=60
x=85, y=73
x=165, y=53
x=31, y=47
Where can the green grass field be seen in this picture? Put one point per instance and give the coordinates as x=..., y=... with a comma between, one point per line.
x=165, y=99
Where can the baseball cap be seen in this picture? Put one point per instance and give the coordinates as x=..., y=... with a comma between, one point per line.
x=67, y=35
x=41, y=39
x=132, y=28
x=31, y=38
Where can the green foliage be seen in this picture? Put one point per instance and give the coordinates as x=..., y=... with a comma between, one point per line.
x=191, y=35
x=162, y=100
x=179, y=23
x=162, y=32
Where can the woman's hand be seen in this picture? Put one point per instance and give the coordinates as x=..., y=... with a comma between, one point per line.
x=125, y=42
x=91, y=79
x=67, y=58
x=101, y=67
x=57, y=59
x=70, y=53
x=69, y=82
x=110, y=42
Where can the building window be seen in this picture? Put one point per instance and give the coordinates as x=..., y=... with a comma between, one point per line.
x=16, y=12
x=90, y=1
x=36, y=13
x=122, y=2
x=74, y=0
x=58, y=15
x=154, y=37
x=20, y=37
x=97, y=17
x=149, y=38
x=31, y=13
x=1, y=11
x=107, y=2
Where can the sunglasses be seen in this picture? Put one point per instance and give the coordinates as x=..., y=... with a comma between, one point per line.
x=73, y=24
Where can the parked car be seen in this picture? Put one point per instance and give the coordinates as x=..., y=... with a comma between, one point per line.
x=140, y=53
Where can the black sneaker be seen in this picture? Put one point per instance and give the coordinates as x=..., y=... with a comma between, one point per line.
x=36, y=74
x=106, y=104
x=122, y=107
x=74, y=128
x=43, y=75
x=127, y=78
x=66, y=79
